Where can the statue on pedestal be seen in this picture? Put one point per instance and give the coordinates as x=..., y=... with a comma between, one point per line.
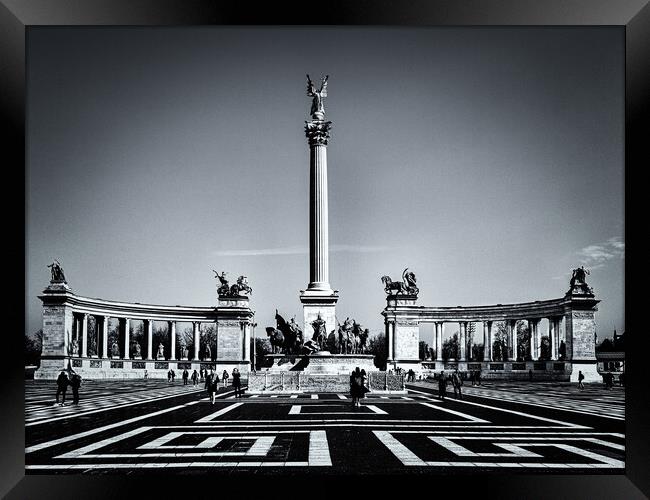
x=161, y=351
x=578, y=281
x=241, y=286
x=136, y=350
x=75, y=347
x=293, y=337
x=115, y=350
x=56, y=271
x=208, y=352
x=320, y=335
x=317, y=111
x=224, y=289
x=405, y=287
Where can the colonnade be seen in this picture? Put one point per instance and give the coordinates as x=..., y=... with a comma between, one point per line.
x=80, y=334
x=465, y=343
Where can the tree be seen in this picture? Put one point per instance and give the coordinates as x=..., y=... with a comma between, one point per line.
x=450, y=347
x=33, y=348
x=185, y=336
x=209, y=335
x=478, y=352
x=523, y=342
x=423, y=350
x=262, y=347
x=545, y=348
x=500, y=343
x=377, y=347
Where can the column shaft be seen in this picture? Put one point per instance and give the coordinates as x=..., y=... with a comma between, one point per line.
x=463, y=340
x=389, y=339
x=439, y=330
x=319, y=230
x=104, y=337
x=531, y=347
x=148, y=326
x=247, y=342
x=197, y=338
x=487, y=341
x=84, y=335
x=511, y=328
x=172, y=339
x=127, y=334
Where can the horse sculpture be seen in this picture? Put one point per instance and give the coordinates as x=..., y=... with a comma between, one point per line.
x=276, y=339
x=346, y=337
x=292, y=333
x=241, y=286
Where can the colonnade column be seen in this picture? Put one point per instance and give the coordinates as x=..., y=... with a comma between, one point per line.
x=172, y=339
x=538, y=339
x=247, y=342
x=531, y=331
x=511, y=335
x=390, y=333
x=555, y=343
x=127, y=333
x=551, y=341
x=148, y=327
x=487, y=341
x=196, y=326
x=84, y=335
x=104, y=337
x=439, y=328
x=463, y=340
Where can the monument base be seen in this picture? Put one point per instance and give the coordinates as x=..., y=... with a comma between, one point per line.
x=588, y=369
x=321, y=363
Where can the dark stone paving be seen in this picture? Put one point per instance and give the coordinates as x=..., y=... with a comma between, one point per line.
x=174, y=429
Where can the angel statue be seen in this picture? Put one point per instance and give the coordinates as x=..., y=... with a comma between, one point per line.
x=317, y=110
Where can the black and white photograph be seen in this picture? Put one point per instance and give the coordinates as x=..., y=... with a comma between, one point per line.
x=325, y=250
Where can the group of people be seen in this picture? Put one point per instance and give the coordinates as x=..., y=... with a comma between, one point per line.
x=64, y=380
x=475, y=377
x=456, y=381
x=358, y=386
x=212, y=382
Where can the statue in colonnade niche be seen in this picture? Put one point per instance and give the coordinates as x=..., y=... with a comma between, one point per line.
x=115, y=350
x=137, y=350
x=161, y=351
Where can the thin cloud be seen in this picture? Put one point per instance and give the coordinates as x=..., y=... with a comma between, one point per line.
x=297, y=250
x=596, y=256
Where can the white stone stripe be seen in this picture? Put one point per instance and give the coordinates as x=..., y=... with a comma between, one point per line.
x=222, y=411
x=471, y=418
x=461, y=451
x=90, y=432
x=376, y=410
x=104, y=442
x=75, y=415
x=314, y=396
x=319, y=453
x=342, y=396
x=406, y=456
x=294, y=396
x=156, y=465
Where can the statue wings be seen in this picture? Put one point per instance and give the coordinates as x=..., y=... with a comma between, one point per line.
x=310, y=87
x=323, y=86
x=311, y=90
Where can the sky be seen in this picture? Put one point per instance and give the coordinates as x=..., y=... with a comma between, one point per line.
x=489, y=161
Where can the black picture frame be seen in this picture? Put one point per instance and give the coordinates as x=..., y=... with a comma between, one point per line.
x=16, y=16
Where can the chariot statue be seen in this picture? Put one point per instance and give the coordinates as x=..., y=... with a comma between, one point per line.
x=56, y=271
x=578, y=280
x=317, y=109
x=224, y=289
x=240, y=287
x=405, y=287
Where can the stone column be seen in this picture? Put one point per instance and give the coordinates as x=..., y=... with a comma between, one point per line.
x=148, y=328
x=247, y=342
x=551, y=340
x=104, y=337
x=538, y=339
x=487, y=341
x=84, y=335
x=318, y=134
x=531, y=330
x=172, y=339
x=127, y=334
x=556, y=339
x=390, y=329
x=196, y=326
x=511, y=327
x=439, y=329
x=462, y=340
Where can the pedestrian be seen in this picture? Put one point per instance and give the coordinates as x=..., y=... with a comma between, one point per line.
x=61, y=386
x=75, y=383
x=211, y=381
x=146, y=374
x=195, y=377
x=478, y=377
x=364, y=385
x=201, y=373
x=169, y=376
x=185, y=376
x=530, y=375
x=225, y=377
x=173, y=376
x=442, y=386
x=236, y=381
x=621, y=379
x=457, y=382
x=581, y=377
x=356, y=381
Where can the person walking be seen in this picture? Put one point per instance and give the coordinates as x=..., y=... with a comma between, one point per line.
x=364, y=385
x=173, y=376
x=75, y=383
x=356, y=382
x=225, y=377
x=146, y=374
x=457, y=382
x=211, y=381
x=201, y=373
x=478, y=377
x=195, y=377
x=185, y=376
x=61, y=386
x=236, y=381
x=169, y=377
x=581, y=377
x=442, y=386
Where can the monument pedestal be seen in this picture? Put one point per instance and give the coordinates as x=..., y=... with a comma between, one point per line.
x=322, y=363
x=315, y=303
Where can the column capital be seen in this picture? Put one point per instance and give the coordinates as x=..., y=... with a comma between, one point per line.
x=318, y=132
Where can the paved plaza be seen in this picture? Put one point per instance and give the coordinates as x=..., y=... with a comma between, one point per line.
x=153, y=426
